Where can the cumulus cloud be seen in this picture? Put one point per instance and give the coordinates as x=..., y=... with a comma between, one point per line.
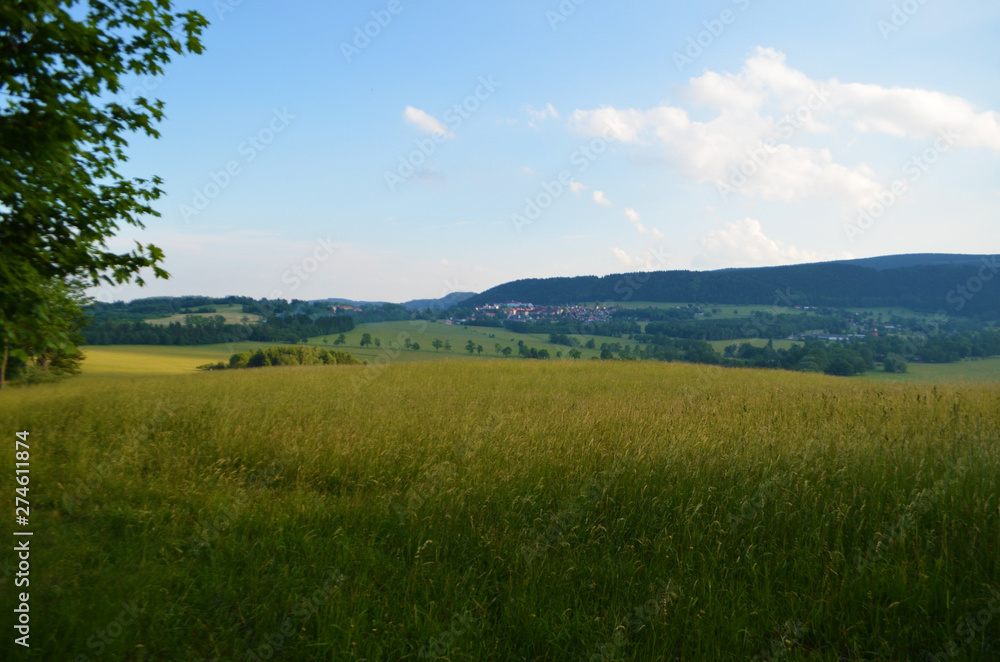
x=425, y=123
x=744, y=244
x=600, y=199
x=576, y=187
x=755, y=142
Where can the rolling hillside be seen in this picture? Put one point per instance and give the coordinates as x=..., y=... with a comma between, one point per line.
x=958, y=289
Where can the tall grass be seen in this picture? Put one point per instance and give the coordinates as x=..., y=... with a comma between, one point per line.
x=503, y=510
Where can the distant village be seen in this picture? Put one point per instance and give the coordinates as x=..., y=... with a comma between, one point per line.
x=529, y=312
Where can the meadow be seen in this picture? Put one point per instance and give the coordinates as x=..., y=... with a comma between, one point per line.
x=510, y=510
x=233, y=314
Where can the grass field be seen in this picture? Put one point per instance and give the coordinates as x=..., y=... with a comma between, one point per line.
x=233, y=313
x=725, y=309
x=424, y=333
x=962, y=371
x=510, y=510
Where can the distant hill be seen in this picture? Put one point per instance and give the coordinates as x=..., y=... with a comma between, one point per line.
x=915, y=260
x=926, y=288
x=443, y=303
x=350, y=302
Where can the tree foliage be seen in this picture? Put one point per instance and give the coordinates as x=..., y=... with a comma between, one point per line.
x=64, y=124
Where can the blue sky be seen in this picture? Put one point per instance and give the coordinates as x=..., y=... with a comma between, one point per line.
x=460, y=145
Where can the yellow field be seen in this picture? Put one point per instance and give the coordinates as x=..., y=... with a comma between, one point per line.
x=154, y=360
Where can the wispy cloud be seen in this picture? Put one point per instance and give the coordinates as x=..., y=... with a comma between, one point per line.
x=537, y=117
x=425, y=122
x=636, y=221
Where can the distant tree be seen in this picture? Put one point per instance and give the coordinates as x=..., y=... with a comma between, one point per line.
x=575, y=354
x=606, y=354
x=366, y=339
x=341, y=339
x=378, y=343
x=559, y=355
x=840, y=367
x=470, y=347
x=543, y=354
x=415, y=347
x=506, y=351
x=437, y=344
x=479, y=349
x=894, y=363
x=447, y=345
x=408, y=344
x=258, y=360
x=591, y=344
x=497, y=348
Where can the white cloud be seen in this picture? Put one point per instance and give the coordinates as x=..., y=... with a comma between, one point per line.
x=652, y=260
x=764, y=115
x=622, y=256
x=425, y=123
x=744, y=244
x=636, y=221
x=576, y=187
x=539, y=116
x=600, y=199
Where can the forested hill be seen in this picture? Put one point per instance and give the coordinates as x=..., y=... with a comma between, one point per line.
x=972, y=290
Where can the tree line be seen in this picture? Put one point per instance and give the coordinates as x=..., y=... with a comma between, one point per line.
x=197, y=330
x=284, y=356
